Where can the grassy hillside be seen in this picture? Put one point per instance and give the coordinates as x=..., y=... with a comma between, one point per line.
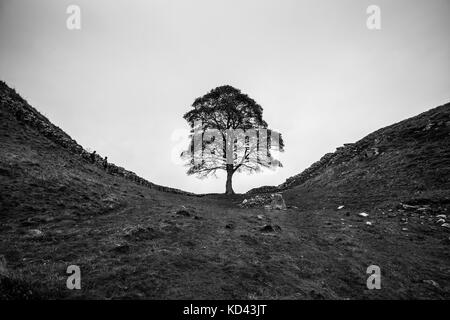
x=407, y=162
x=133, y=239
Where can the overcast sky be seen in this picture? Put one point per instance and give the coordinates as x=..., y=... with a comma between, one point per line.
x=121, y=84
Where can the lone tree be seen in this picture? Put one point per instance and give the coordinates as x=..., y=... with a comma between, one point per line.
x=228, y=133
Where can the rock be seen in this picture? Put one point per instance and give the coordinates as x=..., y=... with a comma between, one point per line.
x=340, y=207
x=407, y=206
x=121, y=248
x=404, y=229
x=446, y=225
x=270, y=228
x=372, y=152
x=110, y=198
x=277, y=202
x=441, y=216
x=183, y=212
x=260, y=216
x=368, y=223
x=440, y=221
x=363, y=214
x=256, y=201
x=274, y=201
x=35, y=233
x=431, y=282
x=110, y=202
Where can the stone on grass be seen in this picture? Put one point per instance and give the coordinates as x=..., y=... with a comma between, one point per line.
x=363, y=214
x=35, y=233
x=431, y=282
x=110, y=202
x=277, y=202
x=121, y=248
x=258, y=200
x=183, y=212
x=270, y=228
x=273, y=201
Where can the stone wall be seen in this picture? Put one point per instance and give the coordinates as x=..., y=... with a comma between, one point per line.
x=425, y=126
x=27, y=115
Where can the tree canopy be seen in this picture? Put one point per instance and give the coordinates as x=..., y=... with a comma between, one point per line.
x=228, y=133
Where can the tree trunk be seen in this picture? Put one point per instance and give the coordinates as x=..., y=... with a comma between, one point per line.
x=229, y=186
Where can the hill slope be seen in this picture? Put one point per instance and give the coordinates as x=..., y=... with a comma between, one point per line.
x=14, y=108
x=408, y=161
x=135, y=240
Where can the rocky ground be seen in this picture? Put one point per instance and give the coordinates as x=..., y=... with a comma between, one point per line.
x=134, y=240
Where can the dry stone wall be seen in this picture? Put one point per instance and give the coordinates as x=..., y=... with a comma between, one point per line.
x=27, y=115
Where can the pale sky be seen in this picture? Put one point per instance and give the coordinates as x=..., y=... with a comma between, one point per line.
x=122, y=83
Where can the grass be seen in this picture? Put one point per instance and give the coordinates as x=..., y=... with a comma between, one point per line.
x=131, y=243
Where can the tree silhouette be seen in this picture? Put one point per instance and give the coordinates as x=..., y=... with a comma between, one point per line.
x=228, y=133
